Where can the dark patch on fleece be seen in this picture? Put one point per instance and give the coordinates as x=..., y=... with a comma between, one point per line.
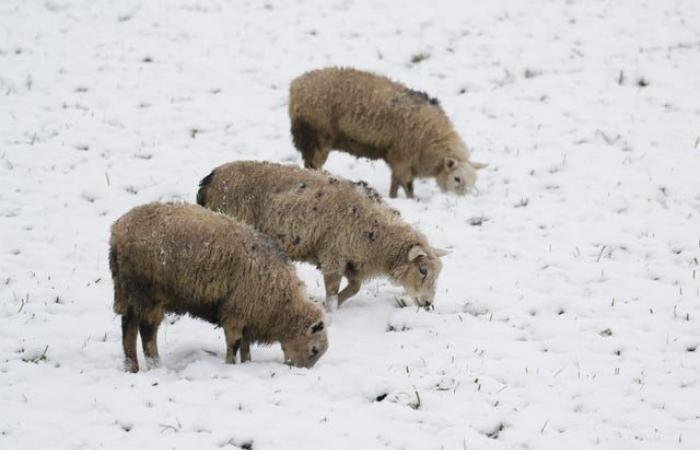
x=422, y=97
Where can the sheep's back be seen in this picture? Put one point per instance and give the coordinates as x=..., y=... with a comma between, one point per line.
x=188, y=259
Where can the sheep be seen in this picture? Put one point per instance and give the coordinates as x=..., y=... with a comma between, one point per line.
x=321, y=220
x=182, y=258
x=371, y=116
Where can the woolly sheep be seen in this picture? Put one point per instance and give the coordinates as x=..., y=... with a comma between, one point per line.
x=322, y=220
x=371, y=116
x=180, y=258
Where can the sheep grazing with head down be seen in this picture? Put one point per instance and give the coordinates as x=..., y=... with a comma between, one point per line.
x=371, y=116
x=180, y=258
x=326, y=221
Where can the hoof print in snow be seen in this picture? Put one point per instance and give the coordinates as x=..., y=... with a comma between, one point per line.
x=642, y=82
x=37, y=358
x=446, y=384
x=522, y=203
x=496, y=432
x=419, y=57
x=391, y=327
x=691, y=348
x=380, y=397
x=247, y=445
x=531, y=73
x=477, y=221
x=410, y=399
x=606, y=332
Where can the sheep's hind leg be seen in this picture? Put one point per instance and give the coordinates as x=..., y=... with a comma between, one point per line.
x=245, y=347
x=148, y=328
x=234, y=334
x=130, y=332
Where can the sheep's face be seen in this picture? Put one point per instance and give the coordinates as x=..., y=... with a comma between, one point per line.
x=420, y=273
x=458, y=176
x=306, y=350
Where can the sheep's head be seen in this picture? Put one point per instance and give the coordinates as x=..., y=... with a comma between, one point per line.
x=419, y=274
x=457, y=176
x=307, y=349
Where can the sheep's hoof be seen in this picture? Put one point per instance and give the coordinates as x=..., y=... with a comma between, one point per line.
x=152, y=363
x=131, y=366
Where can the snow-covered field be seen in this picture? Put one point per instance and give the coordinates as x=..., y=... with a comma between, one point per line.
x=567, y=316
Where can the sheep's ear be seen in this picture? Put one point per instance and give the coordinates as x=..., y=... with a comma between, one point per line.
x=317, y=327
x=416, y=252
x=478, y=165
x=440, y=252
x=450, y=162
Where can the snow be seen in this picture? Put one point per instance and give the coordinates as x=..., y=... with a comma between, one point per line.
x=567, y=313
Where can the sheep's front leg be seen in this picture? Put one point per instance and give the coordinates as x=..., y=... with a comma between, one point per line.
x=401, y=176
x=351, y=289
x=332, y=282
x=233, y=332
x=394, y=189
x=408, y=188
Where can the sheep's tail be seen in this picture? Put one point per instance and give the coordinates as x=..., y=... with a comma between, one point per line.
x=120, y=304
x=203, y=187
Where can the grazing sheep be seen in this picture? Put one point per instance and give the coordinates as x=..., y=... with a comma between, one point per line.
x=328, y=222
x=371, y=116
x=180, y=258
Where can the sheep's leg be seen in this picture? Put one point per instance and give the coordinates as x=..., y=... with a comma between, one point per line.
x=408, y=187
x=332, y=282
x=245, y=347
x=351, y=289
x=148, y=328
x=394, y=189
x=401, y=176
x=130, y=332
x=234, y=334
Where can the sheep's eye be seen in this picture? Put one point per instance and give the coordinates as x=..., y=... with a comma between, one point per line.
x=423, y=270
x=458, y=180
x=314, y=351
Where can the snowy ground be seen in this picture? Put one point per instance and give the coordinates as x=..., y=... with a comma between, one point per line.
x=568, y=314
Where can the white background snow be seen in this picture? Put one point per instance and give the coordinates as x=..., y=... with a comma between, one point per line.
x=567, y=316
